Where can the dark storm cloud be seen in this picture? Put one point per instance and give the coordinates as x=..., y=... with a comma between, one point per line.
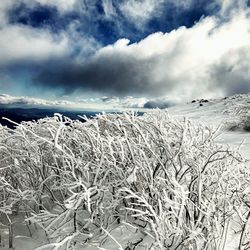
x=111, y=74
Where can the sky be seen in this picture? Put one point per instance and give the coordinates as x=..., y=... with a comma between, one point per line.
x=122, y=53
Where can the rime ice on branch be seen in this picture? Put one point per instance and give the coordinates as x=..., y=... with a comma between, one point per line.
x=165, y=178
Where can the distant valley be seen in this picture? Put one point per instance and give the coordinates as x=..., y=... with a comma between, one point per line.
x=28, y=114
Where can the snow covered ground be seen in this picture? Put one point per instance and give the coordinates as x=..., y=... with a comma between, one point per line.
x=214, y=113
x=218, y=112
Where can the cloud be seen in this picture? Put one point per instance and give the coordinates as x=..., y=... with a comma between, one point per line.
x=29, y=101
x=22, y=43
x=102, y=103
x=139, y=12
x=229, y=6
x=232, y=72
x=130, y=102
x=183, y=64
x=203, y=60
x=80, y=104
x=145, y=103
x=18, y=43
x=158, y=103
x=144, y=13
x=109, y=9
x=4, y=7
x=62, y=5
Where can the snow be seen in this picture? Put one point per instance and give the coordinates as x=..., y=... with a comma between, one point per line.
x=23, y=241
x=214, y=113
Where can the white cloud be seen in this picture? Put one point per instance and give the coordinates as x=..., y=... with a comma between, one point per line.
x=140, y=11
x=62, y=5
x=180, y=62
x=19, y=42
x=131, y=102
x=103, y=103
x=184, y=4
x=24, y=100
x=22, y=42
x=5, y=5
x=108, y=8
x=229, y=6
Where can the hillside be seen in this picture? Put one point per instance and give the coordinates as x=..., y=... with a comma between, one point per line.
x=219, y=112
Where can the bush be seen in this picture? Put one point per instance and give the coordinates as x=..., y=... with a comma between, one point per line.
x=165, y=177
x=242, y=114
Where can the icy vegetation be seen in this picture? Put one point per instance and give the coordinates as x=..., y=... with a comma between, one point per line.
x=163, y=179
x=242, y=112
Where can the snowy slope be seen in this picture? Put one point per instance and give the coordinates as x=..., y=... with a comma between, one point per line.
x=218, y=112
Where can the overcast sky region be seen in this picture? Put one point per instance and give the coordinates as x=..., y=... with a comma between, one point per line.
x=123, y=53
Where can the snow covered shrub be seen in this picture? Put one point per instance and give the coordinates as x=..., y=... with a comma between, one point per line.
x=182, y=185
x=79, y=181
x=242, y=114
